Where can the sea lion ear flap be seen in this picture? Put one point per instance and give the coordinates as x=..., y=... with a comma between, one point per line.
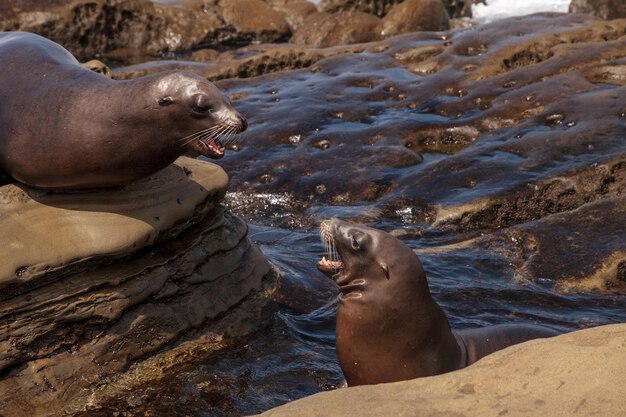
x=385, y=269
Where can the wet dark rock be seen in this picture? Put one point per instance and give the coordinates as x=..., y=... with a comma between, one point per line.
x=294, y=11
x=375, y=7
x=575, y=250
x=606, y=9
x=508, y=114
x=342, y=28
x=102, y=27
x=415, y=15
x=105, y=292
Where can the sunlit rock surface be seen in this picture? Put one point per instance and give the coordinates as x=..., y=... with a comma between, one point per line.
x=342, y=28
x=414, y=16
x=105, y=291
x=606, y=9
x=375, y=7
x=583, y=372
x=294, y=11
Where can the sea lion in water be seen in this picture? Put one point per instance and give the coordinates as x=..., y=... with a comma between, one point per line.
x=65, y=127
x=389, y=328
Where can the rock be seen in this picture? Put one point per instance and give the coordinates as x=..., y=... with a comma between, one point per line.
x=245, y=62
x=205, y=55
x=505, y=89
x=606, y=9
x=375, y=7
x=123, y=27
x=294, y=11
x=96, y=287
x=577, y=373
x=414, y=16
x=253, y=20
x=342, y=28
x=578, y=250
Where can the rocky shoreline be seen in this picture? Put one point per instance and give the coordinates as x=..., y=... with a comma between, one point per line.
x=502, y=140
x=106, y=291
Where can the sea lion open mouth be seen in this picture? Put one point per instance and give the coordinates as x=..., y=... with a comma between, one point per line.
x=329, y=267
x=223, y=120
x=333, y=265
x=207, y=143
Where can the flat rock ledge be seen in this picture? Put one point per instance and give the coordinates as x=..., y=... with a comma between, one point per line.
x=580, y=373
x=106, y=291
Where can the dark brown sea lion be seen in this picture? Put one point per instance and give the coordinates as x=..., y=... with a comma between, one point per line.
x=389, y=328
x=63, y=126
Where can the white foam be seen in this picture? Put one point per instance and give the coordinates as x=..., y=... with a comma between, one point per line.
x=500, y=9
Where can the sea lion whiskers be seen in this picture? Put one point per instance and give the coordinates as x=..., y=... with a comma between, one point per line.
x=194, y=136
x=204, y=136
x=230, y=136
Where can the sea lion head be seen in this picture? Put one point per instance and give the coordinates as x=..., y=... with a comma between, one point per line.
x=201, y=112
x=363, y=259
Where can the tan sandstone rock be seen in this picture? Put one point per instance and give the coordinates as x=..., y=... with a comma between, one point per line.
x=105, y=291
x=580, y=373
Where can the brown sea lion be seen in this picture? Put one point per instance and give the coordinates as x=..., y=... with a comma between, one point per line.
x=389, y=328
x=65, y=127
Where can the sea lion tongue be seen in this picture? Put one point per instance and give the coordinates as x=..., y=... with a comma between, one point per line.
x=216, y=148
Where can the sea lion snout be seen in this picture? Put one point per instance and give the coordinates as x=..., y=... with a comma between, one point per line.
x=237, y=121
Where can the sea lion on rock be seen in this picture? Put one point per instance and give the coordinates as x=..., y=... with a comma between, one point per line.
x=389, y=328
x=65, y=127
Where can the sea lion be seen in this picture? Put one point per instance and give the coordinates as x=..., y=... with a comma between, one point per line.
x=389, y=328
x=63, y=126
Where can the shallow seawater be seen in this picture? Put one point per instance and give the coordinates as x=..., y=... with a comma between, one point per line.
x=295, y=356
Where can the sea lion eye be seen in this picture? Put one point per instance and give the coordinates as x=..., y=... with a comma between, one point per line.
x=165, y=101
x=202, y=104
x=355, y=243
